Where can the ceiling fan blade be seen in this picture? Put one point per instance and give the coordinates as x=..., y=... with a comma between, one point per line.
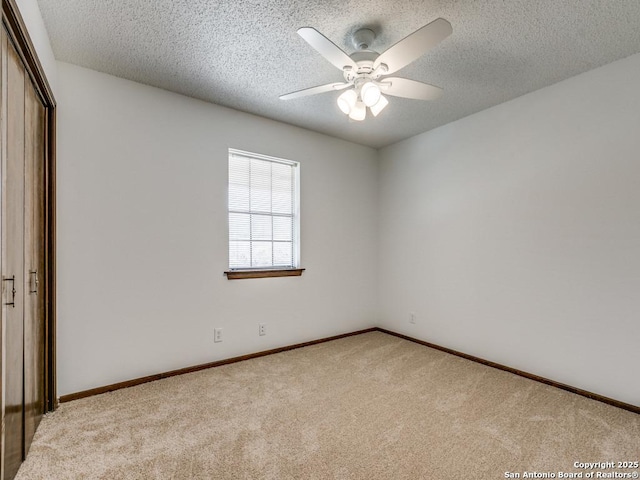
x=414, y=46
x=327, y=48
x=329, y=87
x=403, y=87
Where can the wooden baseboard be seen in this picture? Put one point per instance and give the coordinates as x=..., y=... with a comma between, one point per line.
x=537, y=378
x=195, y=368
x=531, y=376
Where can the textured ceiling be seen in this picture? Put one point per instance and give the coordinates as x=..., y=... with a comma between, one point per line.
x=244, y=54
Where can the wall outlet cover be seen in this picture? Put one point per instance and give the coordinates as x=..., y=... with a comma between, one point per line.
x=217, y=335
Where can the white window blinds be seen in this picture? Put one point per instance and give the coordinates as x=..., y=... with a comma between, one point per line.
x=263, y=212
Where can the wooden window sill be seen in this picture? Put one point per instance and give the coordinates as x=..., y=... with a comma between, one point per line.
x=284, y=272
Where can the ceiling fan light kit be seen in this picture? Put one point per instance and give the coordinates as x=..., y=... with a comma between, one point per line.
x=358, y=112
x=353, y=102
x=378, y=107
x=370, y=93
x=363, y=70
x=347, y=100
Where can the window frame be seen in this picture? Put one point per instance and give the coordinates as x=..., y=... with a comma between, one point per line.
x=237, y=273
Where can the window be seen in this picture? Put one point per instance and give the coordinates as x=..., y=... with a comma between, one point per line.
x=263, y=213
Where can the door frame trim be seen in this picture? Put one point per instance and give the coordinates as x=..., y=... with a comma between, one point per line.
x=17, y=31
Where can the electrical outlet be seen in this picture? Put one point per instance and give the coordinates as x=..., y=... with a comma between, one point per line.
x=262, y=329
x=217, y=335
x=412, y=318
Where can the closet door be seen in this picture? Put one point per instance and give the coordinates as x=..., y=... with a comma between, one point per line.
x=13, y=280
x=34, y=244
x=27, y=223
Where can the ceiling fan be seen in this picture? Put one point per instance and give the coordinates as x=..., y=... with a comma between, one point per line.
x=365, y=71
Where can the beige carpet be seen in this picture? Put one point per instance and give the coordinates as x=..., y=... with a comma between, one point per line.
x=366, y=407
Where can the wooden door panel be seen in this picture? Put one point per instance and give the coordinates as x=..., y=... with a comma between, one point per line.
x=3, y=168
x=13, y=262
x=33, y=263
x=27, y=232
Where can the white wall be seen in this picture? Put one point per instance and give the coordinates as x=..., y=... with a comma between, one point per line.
x=514, y=234
x=142, y=234
x=32, y=17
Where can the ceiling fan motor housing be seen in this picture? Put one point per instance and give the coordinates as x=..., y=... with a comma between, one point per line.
x=365, y=62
